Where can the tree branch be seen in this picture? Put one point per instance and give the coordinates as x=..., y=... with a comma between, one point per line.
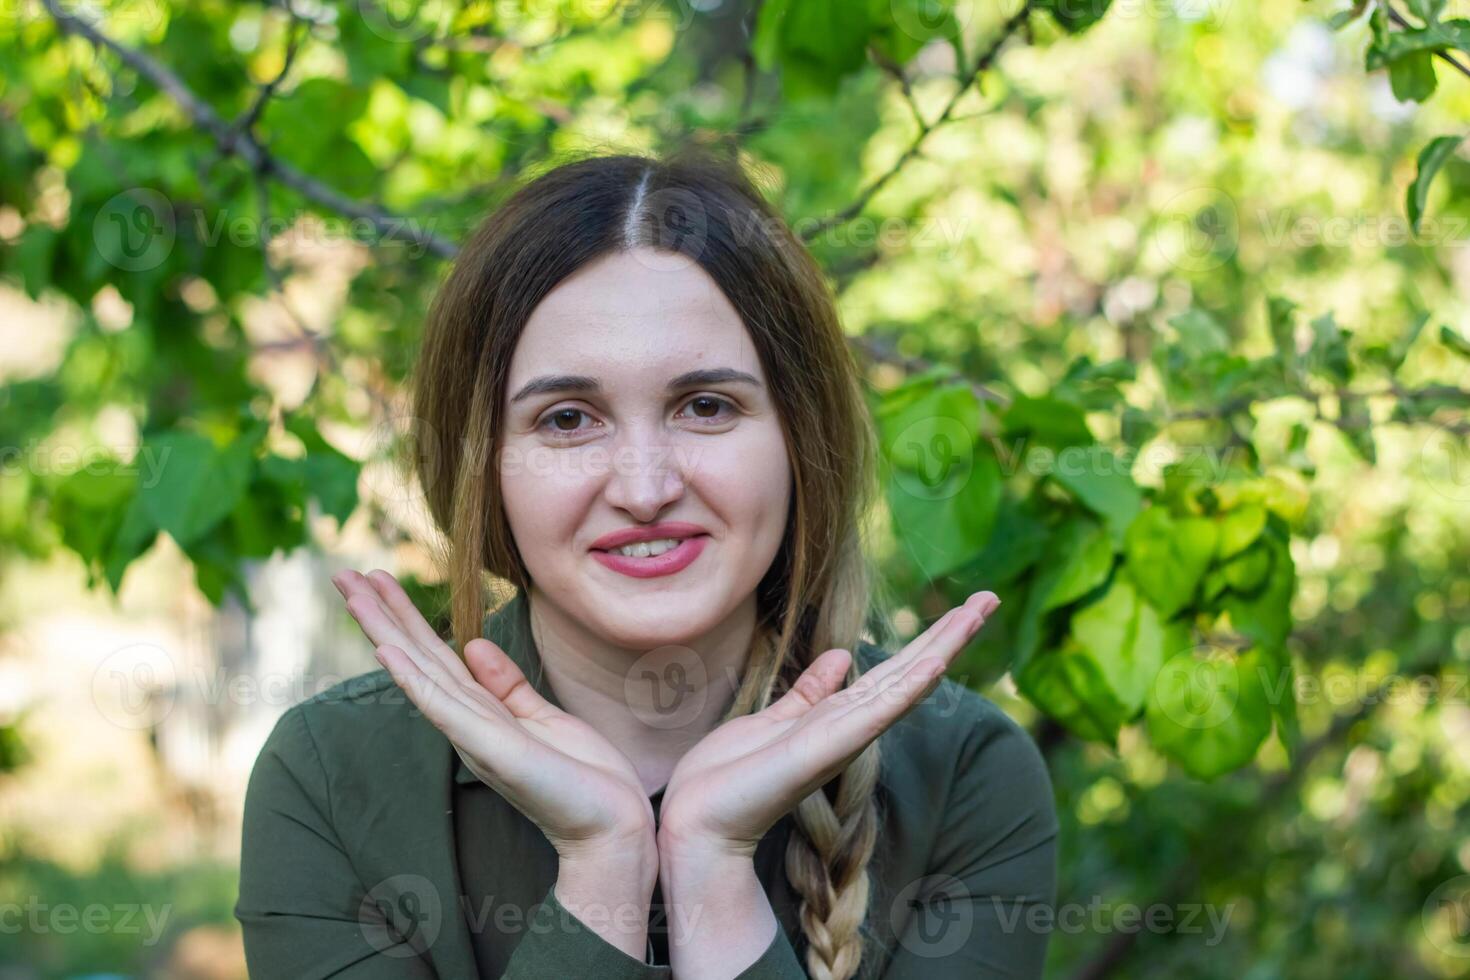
x=852, y=210
x=243, y=145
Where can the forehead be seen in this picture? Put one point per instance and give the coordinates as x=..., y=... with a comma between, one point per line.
x=629, y=311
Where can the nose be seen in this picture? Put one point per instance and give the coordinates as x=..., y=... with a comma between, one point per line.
x=646, y=475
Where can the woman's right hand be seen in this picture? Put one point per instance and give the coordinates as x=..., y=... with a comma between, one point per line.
x=582, y=792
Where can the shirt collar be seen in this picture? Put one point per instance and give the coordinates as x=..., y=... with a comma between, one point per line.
x=509, y=628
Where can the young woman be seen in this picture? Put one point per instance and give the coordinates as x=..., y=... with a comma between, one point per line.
x=638, y=409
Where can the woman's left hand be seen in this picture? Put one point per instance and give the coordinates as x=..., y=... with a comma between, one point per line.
x=734, y=784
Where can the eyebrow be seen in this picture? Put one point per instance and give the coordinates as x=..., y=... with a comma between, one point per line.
x=556, y=383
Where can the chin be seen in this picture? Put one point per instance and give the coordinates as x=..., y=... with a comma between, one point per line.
x=645, y=623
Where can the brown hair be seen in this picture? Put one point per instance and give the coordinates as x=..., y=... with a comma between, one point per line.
x=816, y=594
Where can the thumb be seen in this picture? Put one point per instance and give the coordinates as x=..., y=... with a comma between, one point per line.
x=821, y=679
x=502, y=677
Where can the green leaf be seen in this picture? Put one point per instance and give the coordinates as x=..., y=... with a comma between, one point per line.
x=1103, y=485
x=928, y=428
x=1399, y=351
x=1087, y=557
x=1427, y=10
x=1342, y=18
x=1411, y=78
x=1240, y=528
x=135, y=535
x=1209, y=714
x=1248, y=570
x=942, y=525
x=1389, y=46
x=1265, y=614
x=1454, y=341
x=1329, y=352
x=1430, y=160
x=197, y=484
x=1069, y=685
x=1168, y=556
x=901, y=28
x=1199, y=332
x=329, y=475
x=1017, y=540
x=1075, y=16
x=1128, y=640
x=1049, y=421
x=1281, y=316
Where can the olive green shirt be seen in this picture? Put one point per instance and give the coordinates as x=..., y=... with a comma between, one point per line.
x=370, y=850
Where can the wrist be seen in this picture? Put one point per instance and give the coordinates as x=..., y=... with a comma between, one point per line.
x=609, y=894
x=629, y=865
x=692, y=863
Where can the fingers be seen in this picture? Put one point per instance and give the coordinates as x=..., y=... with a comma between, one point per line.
x=369, y=607
x=450, y=712
x=945, y=638
x=822, y=677
x=981, y=603
x=412, y=621
x=503, y=678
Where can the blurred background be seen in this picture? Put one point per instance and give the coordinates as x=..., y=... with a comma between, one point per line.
x=1165, y=312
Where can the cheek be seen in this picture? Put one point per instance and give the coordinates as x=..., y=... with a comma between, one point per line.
x=544, y=494
x=747, y=481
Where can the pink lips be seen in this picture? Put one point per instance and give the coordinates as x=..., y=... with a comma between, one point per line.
x=671, y=561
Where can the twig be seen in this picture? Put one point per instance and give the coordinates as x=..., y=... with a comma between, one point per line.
x=984, y=62
x=243, y=145
x=1398, y=19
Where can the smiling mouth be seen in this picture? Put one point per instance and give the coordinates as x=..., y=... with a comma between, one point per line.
x=675, y=559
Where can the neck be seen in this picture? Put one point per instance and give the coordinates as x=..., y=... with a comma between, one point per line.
x=651, y=703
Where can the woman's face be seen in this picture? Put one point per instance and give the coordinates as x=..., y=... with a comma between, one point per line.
x=610, y=426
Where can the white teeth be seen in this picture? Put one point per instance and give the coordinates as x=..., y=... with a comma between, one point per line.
x=647, y=549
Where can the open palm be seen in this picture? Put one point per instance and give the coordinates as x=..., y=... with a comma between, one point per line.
x=553, y=767
x=734, y=784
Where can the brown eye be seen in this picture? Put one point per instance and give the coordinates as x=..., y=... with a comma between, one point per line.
x=562, y=422
x=707, y=407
